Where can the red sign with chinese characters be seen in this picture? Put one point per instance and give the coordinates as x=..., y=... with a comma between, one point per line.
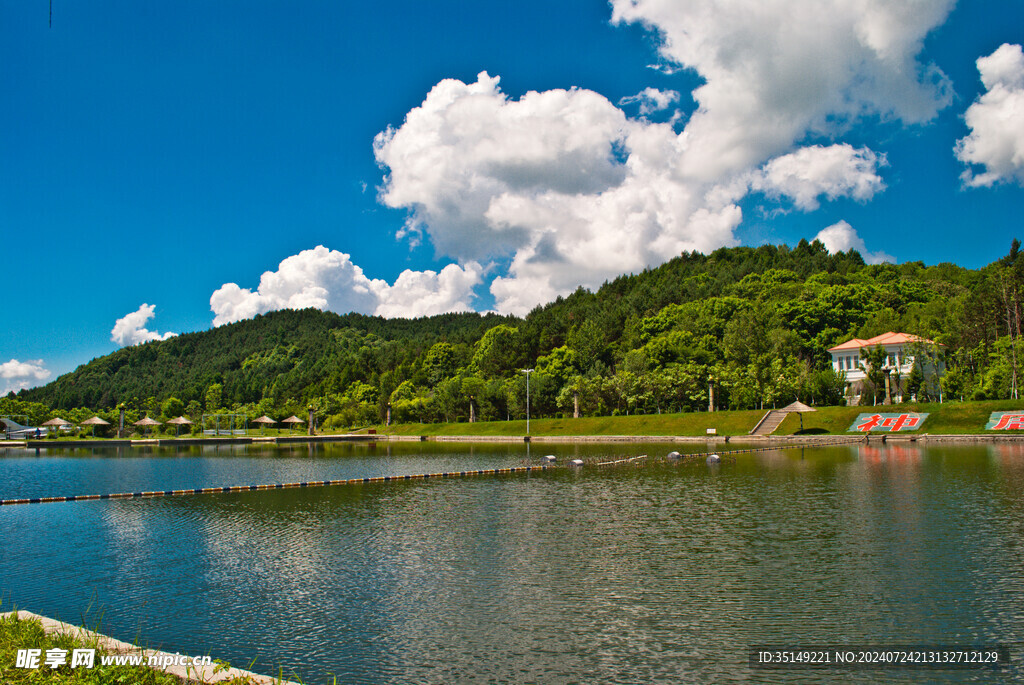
x=888, y=423
x=1005, y=421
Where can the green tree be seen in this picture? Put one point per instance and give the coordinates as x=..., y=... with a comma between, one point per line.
x=449, y=398
x=873, y=363
x=214, y=397
x=440, y=363
x=827, y=387
x=172, y=407
x=559, y=364
x=588, y=343
x=473, y=390
x=194, y=411
x=568, y=399
x=499, y=353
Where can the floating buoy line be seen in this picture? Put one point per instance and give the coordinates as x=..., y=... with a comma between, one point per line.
x=276, y=486
x=547, y=465
x=717, y=456
x=625, y=461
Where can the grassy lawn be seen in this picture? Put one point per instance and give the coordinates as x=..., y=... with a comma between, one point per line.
x=18, y=634
x=947, y=418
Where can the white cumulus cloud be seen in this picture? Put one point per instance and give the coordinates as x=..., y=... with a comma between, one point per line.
x=319, y=278
x=573, y=191
x=17, y=375
x=810, y=172
x=774, y=70
x=329, y=280
x=467, y=144
x=651, y=100
x=996, y=120
x=562, y=182
x=841, y=237
x=423, y=293
x=130, y=329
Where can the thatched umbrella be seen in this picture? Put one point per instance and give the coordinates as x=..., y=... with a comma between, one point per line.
x=180, y=421
x=146, y=422
x=292, y=421
x=264, y=421
x=797, y=408
x=95, y=421
x=57, y=423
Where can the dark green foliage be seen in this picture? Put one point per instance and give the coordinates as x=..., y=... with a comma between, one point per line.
x=753, y=323
x=284, y=354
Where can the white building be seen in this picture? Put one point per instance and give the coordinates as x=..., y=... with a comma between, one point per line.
x=900, y=351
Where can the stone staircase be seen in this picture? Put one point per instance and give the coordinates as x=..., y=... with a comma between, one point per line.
x=769, y=422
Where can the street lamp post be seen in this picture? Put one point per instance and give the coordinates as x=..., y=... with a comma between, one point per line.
x=527, y=372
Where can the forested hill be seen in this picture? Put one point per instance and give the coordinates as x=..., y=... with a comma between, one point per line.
x=753, y=322
x=287, y=354
x=689, y=278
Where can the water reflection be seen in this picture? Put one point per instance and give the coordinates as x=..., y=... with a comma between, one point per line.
x=658, y=574
x=888, y=453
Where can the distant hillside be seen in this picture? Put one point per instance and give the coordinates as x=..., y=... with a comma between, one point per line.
x=753, y=323
x=688, y=278
x=283, y=354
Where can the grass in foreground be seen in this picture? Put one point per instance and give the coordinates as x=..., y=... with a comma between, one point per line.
x=946, y=418
x=18, y=634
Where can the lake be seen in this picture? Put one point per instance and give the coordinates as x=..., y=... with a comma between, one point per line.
x=665, y=572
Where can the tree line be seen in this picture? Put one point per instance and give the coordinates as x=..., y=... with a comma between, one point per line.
x=736, y=329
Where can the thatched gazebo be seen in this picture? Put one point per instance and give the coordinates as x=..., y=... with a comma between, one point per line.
x=180, y=421
x=264, y=421
x=797, y=408
x=292, y=421
x=57, y=423
x=95, y=421
x=146, y=422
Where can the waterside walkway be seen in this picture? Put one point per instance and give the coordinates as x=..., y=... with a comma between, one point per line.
x=179, y=442
x=774, y=440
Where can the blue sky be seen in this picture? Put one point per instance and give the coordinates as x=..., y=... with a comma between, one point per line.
x=170, y=154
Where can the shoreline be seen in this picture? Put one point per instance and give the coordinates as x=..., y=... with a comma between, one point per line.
x=763, y=440
x=161, y=661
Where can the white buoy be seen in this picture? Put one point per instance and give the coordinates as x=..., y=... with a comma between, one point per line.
x=674, y=455
x=576, y=462
x=714, y=459
x=550, y=458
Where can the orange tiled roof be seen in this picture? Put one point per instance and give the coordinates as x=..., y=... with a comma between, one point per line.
x=889, y=338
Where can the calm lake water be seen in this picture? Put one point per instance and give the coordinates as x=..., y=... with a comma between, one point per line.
x=660, y=573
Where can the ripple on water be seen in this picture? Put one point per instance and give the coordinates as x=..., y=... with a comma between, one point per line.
x=656, y=574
